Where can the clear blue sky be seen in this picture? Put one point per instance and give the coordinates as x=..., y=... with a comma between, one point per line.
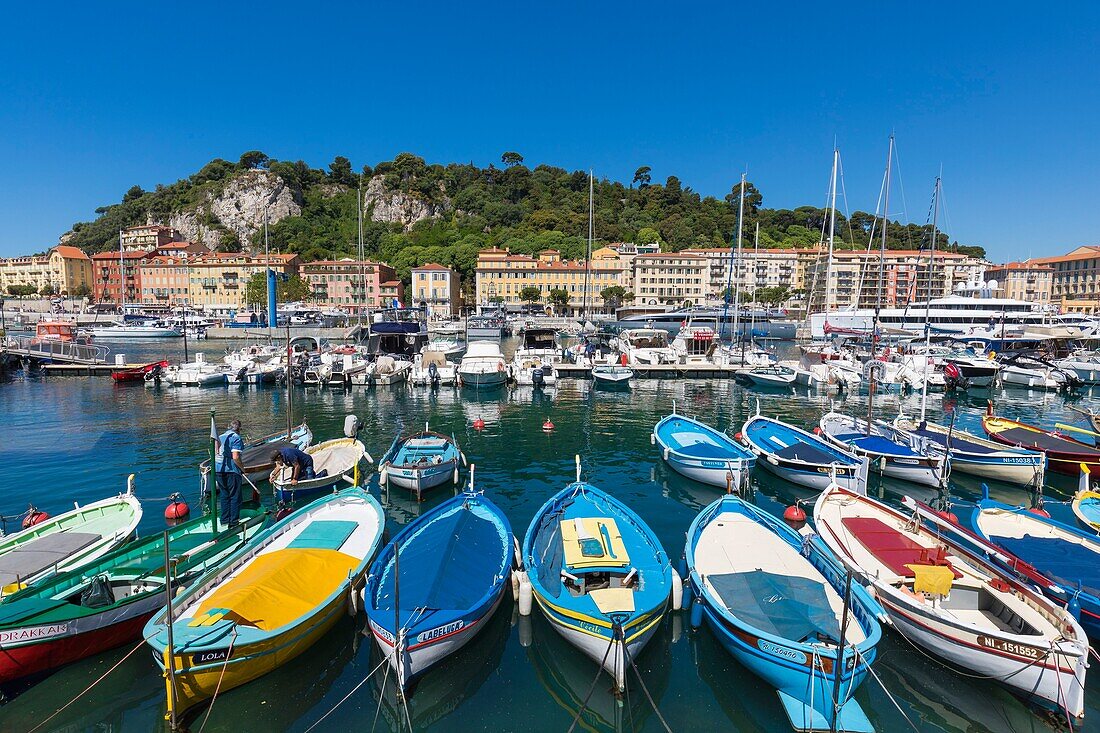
x=95, y=98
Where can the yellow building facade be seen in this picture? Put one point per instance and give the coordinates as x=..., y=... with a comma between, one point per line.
x=64, y=269
x=501, y=277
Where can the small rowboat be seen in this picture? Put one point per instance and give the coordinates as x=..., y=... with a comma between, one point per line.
x=801, y=457
x=270, y=601
x=1065, y=554
x=612, y=374
x=979, y=456
x=1086, y=502
x=333, y=461
x=422, y=461
x=138, y=374
x=82, y=612
x=458, y=561
x=778, y=604
x=257, y=453
x=1064, y=454
x=891, y=453
x=599, y=574
x=698, y=451
x=956, y=604
x=67, y=541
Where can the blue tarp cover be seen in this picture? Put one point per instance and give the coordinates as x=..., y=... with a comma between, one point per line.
x=1064, y=561
x=788, y=607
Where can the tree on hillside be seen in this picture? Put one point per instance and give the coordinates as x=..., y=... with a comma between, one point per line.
x=287, y=290
x=530, y=294
x=753, y=199
x=339, y=170
x=133, y=194
x=648, y=235
x=642, y=177
x=253, y=159
x=511, y=158
x=559, y=298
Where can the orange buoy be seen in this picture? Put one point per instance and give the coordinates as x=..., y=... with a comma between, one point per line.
x=1040, y=511
x=479, y=424
x=177, y=510
x=817, y=430
x=949, y=516
x=282, y=511
x=34, y=517
x=795, y=516
x=548, y=426
x=622, y=359
x=739, y=437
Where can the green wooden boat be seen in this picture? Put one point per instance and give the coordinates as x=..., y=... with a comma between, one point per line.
x=67, y=541
x=82, y=612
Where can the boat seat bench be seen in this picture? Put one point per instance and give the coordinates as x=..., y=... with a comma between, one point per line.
x=323, y=534
x=40, y=554
x=892, y=548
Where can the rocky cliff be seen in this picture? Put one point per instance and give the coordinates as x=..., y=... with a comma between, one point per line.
x=238, y=208
x=398, y=207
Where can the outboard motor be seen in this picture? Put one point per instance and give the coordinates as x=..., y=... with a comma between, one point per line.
x=433, y=375
x=242, y=373
x=352, y=426
x=953, y=378
x=537, y=378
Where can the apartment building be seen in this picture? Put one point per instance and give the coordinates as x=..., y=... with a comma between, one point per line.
x=901, y=276
x=765, y=268
x=671, y=278
x=116, y=276
x=1075, y=279
x=500, y=277
x=147, y=237
x=393, y=294
x=165, y=280
x=353, y=285
x=65, y=270
x=438, y=288
x=1027, y=280
x=219, y=281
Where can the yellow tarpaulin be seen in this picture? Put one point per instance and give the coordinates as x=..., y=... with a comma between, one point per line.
x=932, y=578
x=586, y=545
x=278, y=587
x=613, y=600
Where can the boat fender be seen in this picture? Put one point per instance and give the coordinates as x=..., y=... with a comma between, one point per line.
x=773, y=460
x=352, y=426
x=1040, y=511
x=682, y=568
x=739, y=437
x=177, y=509
x=353, y=601
x=666, y=454
x=622, y=359
x=34, y=516
x=696, y=613
x=1074, y=605
x=525, y=594
x=677, y=591
x=383, y=477
x=500, y=366
x=817, y=430
x=526, y=632
x=454, y=476
x=652, y=439
x=514, y=578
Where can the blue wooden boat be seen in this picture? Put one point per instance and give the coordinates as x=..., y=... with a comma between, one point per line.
x=972, y=454
x=1061, y=552
x=801, y=457
x=598, y=573
x=422, y=461
x=457, y=561
x=776, y=601
x=891, y=453
x=700, y=452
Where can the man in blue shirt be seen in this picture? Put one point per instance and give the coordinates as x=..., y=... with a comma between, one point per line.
x=299, y=461
x=230, y=470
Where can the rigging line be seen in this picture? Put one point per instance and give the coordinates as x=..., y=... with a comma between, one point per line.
x=342, y=700
x=381, y=695
x=904, y=207
x=870, y=239
x=591, y=688
x=884, y=689
x=637, y=672
x=221, y=676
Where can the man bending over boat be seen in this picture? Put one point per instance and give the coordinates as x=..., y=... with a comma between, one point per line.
x=299, y=461
x=230, y=470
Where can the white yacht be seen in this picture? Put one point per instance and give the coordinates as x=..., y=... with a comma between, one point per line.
x=646, y=346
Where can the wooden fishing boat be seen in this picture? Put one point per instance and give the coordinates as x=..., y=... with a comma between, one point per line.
x=612, y=374
x=957, y=605
x=99, y=606
x=256, y=456
x=781, y=606
x=67, y=541
x=802, y=457
x=1064, y=454
x=458, y=562
x=269, y=601
x=333, y=461
x=1067, y=555
x=1092, y=417
x=139, y=373
x=598, y=573
x=1086, y=501
x=698, y=451
x=979, y=456
x=775, y=375
x=422, y=461
x=890, y=453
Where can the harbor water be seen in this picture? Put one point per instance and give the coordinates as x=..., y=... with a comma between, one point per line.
x=78, y=438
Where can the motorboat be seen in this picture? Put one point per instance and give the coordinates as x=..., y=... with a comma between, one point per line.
x=1085, y=366
x=124, y=330
x=967, y=370
x=533, y=362
x=612, y=374
x=139, y=373
x=451, y=347
x=432, y=369
x=648, y=346
x=802, y=457
x=1021, y=370
x=485, y=326
x=769, y=376
x=458, y=562
x=890, y=452
x=700, y=452
x=696, y=343
x=785, y=608
x=421, y=461
x=483, y=365
x=1064, y=454
x=334, y=461
x=384, y=371
x=397, y=332
x=599, y=575
x=956, y=605
x=270, y=601
x=972, y=454
x=198, y=373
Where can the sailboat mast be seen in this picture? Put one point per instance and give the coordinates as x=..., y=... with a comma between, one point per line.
x=359, y=254
x=121, y=278
x=755, y=289
x=881, y=282
x=928, y=296
x=832, y=230
x=736, y=262
x=591, y=234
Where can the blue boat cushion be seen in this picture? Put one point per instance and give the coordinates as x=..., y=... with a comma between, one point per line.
x=700, y=445
x=1063, y=561
x=324, y=534
x=957, y=442
x=876, y=444
x=808, y=453
x=549, y=552
x=450, y=563
x=788, y=607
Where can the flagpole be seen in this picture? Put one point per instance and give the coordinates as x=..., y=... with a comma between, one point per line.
x=212, y=487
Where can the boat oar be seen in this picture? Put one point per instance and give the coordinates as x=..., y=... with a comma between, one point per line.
x=1063, y=426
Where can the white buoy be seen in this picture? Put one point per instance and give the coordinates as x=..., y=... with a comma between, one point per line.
x=383, y=477
x=120, y=359
x=353, y=602
x=454, y=478
x=666, y=454
x=526, y=594
x=351, y=426
x=652, y=439
x=677, y=590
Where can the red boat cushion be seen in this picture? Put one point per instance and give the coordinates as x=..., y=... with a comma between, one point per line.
x=894, y=549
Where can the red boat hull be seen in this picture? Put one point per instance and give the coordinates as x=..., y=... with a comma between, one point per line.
x=23, y=661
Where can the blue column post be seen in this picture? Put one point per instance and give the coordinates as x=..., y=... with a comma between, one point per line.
x=272, y=312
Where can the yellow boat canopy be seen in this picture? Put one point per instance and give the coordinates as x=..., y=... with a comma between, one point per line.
x=592, y=542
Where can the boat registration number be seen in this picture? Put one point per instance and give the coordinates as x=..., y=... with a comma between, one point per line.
x=439, y=631
x=32, y=634
x=210, y=656
x=906, y=461
x=781, y=651
x=1010, y=647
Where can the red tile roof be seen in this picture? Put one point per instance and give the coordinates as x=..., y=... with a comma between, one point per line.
x=432, y=266
x=72, y=253
x=131, y=255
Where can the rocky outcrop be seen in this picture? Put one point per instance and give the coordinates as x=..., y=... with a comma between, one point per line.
x=238, y=208
x=398, y=207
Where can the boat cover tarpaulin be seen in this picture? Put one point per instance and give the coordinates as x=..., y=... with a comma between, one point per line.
x=448, y=563
x=1047, y=442
x=789, y=607
x=35, y=556
x=876, y=444
x=809, y=454
x=1066, y=562
x=278, y=587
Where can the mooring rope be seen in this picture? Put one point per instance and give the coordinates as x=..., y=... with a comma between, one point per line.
x=353, y=691
x=221, y=676
x=626, y=653
x=591, y=688
x=884, y=689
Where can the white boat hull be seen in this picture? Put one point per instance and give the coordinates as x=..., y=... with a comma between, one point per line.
x=595, y=648
x=1033, y=378
x=482, y=378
